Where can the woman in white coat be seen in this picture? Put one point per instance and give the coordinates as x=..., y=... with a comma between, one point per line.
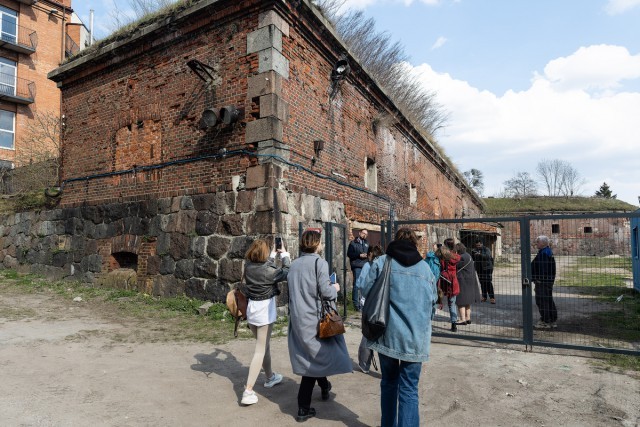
x=311, y=357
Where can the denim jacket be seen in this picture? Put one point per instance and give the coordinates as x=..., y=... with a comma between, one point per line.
x=413, y=295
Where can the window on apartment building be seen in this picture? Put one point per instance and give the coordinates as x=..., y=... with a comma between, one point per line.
x=413, y=194
x=7, y=77
x=555, y=228
x=7, y=129
x=588, y=230
x=9, y=25
x=371, y=175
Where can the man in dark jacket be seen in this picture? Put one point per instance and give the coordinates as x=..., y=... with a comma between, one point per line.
x=357, y=254
x=484, y=267
x=543, y=274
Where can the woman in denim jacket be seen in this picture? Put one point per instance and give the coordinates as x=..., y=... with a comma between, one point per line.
x=405, y=343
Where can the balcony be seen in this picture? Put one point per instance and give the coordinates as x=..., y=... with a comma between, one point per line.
x=29, y=2
x=17, y=38
x=15, y=89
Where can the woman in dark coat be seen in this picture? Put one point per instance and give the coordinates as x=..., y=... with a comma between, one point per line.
x=469, y=291
x=311, y=357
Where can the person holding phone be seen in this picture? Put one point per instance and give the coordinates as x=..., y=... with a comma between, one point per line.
x=261, y=279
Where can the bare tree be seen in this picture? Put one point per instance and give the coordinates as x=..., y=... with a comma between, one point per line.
x=521, y=185
x=38, y=158
x=572, y=183
x=475, y=178
x=559, y=177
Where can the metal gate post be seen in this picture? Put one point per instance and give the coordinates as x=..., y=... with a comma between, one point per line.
x=525, y=260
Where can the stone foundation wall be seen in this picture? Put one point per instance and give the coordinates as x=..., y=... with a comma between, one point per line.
x=192, y=245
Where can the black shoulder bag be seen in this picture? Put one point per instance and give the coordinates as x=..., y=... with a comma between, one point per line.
x=375, y=313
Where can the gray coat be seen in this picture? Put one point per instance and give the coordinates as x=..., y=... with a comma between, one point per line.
x=311, y=356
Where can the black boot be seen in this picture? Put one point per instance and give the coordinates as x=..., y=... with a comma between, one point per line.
x=454, y=328
x=325, y=392
x=305, y=413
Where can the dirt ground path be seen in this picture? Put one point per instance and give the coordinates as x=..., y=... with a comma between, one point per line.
x=63, y=364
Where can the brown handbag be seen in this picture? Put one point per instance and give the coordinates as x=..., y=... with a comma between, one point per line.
x=331, y=323
x=237, y=304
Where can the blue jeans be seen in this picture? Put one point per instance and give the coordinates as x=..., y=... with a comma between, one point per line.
x=355, y=295
x=399, y=392
x=453, y=309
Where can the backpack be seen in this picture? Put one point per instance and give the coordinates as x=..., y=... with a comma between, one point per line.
x=434, y=263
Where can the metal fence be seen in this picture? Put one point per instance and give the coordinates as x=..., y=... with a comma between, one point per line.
x=598, y=307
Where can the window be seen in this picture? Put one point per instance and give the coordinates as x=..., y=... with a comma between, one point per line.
x=7, y=129
x=7, y=77
x=413, y=194
x=555, y=228
x=588, y=230
x=371, y=175
x=9, y=25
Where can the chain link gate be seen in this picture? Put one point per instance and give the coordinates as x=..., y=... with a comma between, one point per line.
x=597, y=259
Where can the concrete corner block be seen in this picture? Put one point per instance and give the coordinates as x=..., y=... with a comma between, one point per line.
x=263, y=84
x=274, y=148
x=270, y=59
x=272, y=105
x=272, y=18
x=263, y=129
x=264, y=38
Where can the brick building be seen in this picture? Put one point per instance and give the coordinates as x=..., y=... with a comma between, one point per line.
x=226, y=119
x=36, y=37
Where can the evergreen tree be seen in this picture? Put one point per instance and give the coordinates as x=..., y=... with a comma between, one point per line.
x=605, y=192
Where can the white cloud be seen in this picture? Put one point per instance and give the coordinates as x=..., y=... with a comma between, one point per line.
x=557, y=117
x=439, y=43
x=615, y=7
x=598, y=67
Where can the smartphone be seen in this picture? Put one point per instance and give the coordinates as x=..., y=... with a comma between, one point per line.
x=333, y=278
x=278, y=243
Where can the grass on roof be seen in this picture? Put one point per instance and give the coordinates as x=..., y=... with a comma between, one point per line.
x=495, y=205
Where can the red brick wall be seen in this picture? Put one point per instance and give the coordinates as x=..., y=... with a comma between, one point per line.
x=141, y=106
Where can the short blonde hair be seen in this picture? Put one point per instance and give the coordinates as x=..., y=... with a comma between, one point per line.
x=258, y=251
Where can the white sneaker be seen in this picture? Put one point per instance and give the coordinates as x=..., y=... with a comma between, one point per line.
x=542, y=325
x=249, y=397
x=275, y=379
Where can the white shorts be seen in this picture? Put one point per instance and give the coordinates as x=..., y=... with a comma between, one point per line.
x=260, y=313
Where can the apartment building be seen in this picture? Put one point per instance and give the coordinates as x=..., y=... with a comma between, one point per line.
x=35, y=37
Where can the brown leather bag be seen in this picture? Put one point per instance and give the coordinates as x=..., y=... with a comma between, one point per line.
x=331, y=323
x=237, y=305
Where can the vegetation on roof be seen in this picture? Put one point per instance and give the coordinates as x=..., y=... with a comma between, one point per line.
x=498, y=205
x=128, y=30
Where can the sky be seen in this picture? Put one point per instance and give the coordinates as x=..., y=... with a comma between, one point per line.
x=522, y=81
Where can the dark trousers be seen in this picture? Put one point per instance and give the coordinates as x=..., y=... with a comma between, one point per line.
x=486, y=284
x=544, y=301
x=306, y=389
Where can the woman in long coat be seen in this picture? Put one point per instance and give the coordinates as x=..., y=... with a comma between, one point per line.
x=469, y=290
x=311, y=357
